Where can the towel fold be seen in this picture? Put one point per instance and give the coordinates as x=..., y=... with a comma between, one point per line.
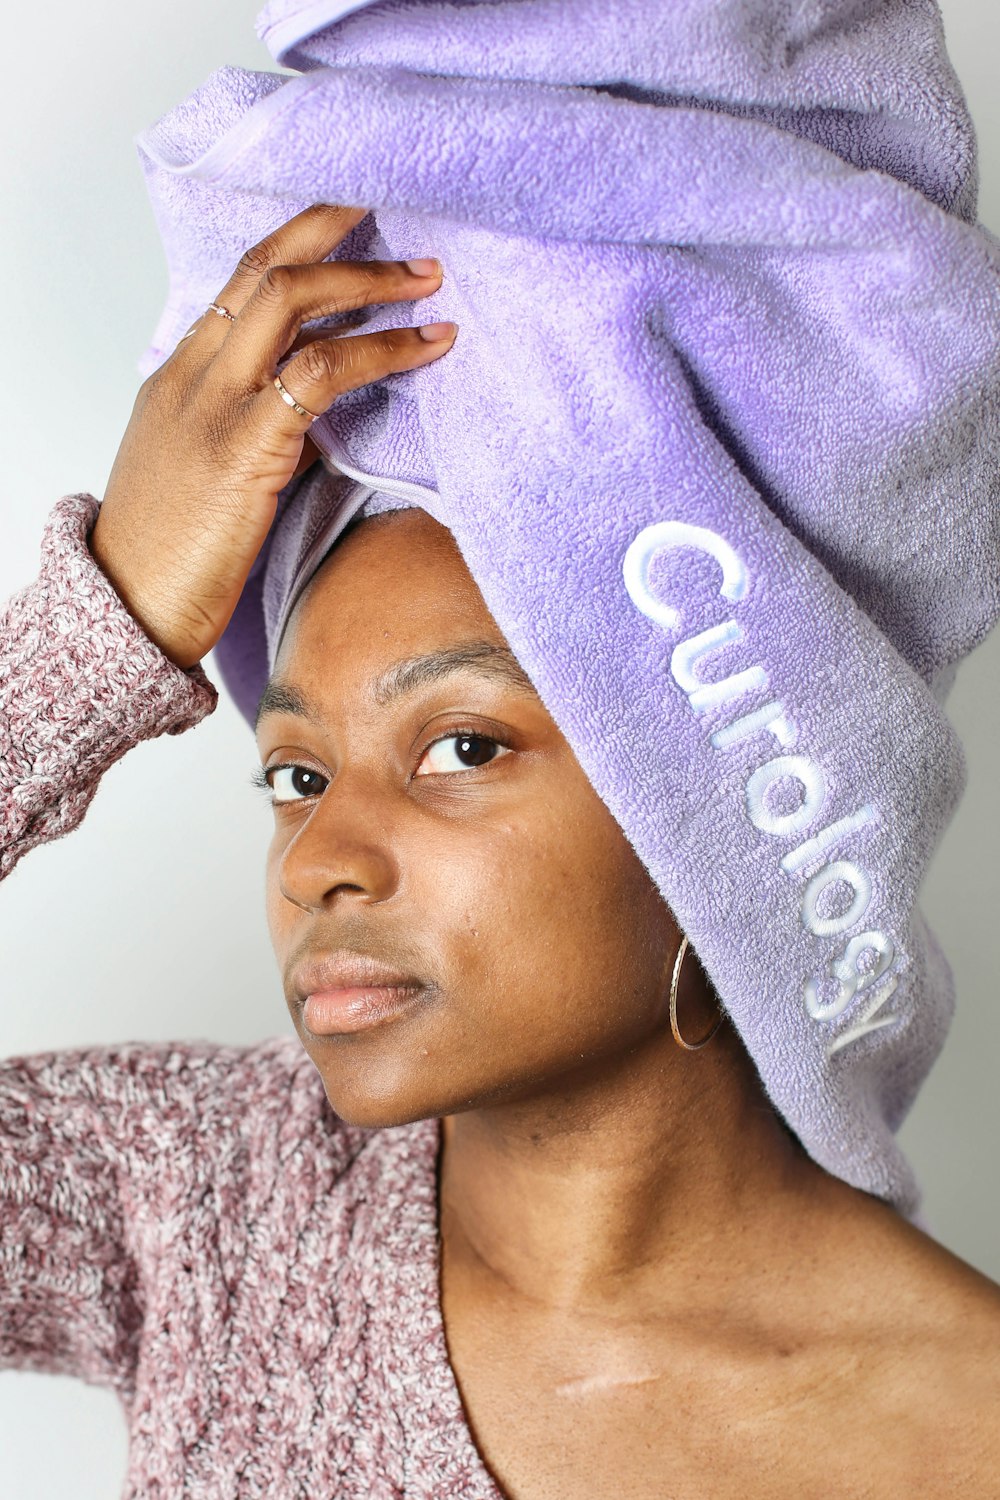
x=718, y=440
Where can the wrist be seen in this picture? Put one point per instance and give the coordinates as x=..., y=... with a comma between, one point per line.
x=116, y=556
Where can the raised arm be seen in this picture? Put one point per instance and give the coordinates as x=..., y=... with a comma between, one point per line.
x=104, y=649
x=107, y=1157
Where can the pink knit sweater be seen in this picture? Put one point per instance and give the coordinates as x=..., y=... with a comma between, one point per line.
x=193, y=1225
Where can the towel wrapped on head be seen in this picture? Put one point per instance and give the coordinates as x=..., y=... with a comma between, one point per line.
x=718, y=440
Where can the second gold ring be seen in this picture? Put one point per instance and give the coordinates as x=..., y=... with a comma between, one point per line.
x=290, y=400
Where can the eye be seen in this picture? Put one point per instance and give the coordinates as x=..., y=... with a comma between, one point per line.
x=470, y=750
x=292, y=783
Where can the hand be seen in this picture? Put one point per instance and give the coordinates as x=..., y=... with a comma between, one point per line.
x=210, y=442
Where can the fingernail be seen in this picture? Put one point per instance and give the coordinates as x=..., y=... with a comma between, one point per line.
x=435, y=332
x=423, y=267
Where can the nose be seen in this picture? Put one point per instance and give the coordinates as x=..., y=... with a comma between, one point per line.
x=344, y=847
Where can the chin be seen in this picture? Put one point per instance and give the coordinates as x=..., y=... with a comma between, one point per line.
x=377, y=1093
x=377, y=1090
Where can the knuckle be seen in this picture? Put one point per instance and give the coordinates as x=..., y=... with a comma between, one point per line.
x=258, y=259
x=321, y=361
x=222, y=434
x=162, y=378
x=400, y=344
x=369, y=281
x=276, y=284
x=371, y=272
x=157, y=391
x=148, y=389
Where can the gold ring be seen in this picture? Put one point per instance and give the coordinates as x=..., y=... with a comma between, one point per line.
x=290, y=400
x=212, y=307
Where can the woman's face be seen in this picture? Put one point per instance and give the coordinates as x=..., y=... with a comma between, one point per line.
x=484, y=869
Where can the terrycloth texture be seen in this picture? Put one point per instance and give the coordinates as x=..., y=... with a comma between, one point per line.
x=61, y=635
x=192, y=1225
x=718, y=440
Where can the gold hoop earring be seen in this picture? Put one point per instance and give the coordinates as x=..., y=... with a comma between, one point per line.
x=674, y=983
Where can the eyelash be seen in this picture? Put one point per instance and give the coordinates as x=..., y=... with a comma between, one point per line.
x=259, y=776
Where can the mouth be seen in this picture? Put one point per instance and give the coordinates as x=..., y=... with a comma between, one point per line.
x=334, y=1012
x=344, y=992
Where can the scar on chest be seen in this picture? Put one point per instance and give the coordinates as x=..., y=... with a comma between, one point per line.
x=586, y=1385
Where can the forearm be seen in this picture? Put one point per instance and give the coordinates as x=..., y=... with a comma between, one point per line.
x=80, y=684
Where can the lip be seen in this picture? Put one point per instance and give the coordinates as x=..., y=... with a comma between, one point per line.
x=347, y=992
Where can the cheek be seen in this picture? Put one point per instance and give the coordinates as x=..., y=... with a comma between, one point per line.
x=553, y=922
x=281, y=914
x=540, y=922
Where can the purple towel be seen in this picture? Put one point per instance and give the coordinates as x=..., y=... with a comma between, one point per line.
x=718, y=440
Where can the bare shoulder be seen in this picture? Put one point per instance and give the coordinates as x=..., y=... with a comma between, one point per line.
x=908, y=1285
x=952, y=1305
x=926, y=1325
x=930, y=1287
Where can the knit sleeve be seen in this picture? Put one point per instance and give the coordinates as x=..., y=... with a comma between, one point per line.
x=70, y=1300
x=139, y=1186
x=80, y=684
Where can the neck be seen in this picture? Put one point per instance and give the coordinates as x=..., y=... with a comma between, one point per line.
x=623, y=1181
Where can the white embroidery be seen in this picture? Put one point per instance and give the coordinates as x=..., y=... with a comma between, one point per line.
x=689, y=653
x=784, y=767
x=664, y=534
x=867, y=1020
x=705, y=695
x=841, y=871
x=771, y=718
x=798, y=859
x=852, y=979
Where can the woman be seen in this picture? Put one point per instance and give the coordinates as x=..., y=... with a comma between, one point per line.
x=646, y=1286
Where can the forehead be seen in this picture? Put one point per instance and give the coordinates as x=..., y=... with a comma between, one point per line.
x=392, y=608
x=395, y=560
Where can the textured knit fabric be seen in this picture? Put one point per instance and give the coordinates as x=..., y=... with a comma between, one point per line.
x=719, y=440
x=193, y=1226
x=80, y=683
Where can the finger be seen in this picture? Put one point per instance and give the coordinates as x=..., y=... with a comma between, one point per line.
x=310, y=453
x=328, y=329
x=185, y=350
x=308, y=236
x=328, y=368
x=288, y=296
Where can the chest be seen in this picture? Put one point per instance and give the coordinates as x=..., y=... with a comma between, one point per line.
x=572, y=1412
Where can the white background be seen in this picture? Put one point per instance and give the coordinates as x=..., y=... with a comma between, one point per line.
x=148, y=922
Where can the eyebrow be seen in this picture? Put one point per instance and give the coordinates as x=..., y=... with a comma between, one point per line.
x=484, y=658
